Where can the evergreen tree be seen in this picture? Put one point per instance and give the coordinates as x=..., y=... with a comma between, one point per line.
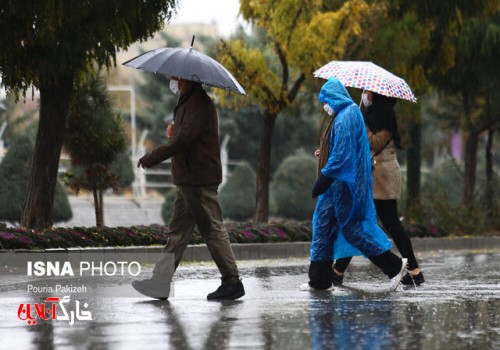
x=95, y=139
x=14, y=174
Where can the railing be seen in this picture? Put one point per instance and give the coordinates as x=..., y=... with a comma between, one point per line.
x=143, y=176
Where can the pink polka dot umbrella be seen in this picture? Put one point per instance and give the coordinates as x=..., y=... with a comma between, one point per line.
x=367, y=76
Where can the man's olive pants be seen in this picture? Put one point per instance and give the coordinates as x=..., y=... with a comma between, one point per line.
x=199, y=206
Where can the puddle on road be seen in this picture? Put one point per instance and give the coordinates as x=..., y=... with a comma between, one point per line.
x=457, y=308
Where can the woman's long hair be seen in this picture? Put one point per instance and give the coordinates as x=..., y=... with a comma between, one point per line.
x=380, y=115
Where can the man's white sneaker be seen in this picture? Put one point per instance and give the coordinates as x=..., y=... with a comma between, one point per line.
x=396, y=280
x=152, y=288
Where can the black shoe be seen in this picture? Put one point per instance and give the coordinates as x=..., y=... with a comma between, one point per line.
x=337, y=279
x=410, y=280
x=228, y=292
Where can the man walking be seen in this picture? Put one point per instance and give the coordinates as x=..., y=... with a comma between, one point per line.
x=194, y=149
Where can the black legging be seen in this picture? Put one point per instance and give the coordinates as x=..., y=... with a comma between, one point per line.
x=387, y=211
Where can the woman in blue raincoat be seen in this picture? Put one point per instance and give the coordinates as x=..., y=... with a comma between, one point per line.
x=344, y=221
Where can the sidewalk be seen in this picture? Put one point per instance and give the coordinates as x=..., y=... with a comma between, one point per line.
x=457, y=308
x=118, y=211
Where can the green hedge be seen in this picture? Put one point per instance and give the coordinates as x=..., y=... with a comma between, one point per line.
x=239, y=232
x=237, y=197
x=291, y=187
x=62, y=237
x=19, y=238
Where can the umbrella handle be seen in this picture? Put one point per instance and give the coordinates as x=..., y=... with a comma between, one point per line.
x=361, y=100
x=192, y=41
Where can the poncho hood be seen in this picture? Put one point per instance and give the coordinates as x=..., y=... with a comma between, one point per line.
x=335, y=94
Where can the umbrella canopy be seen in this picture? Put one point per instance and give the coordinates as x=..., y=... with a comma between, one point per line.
x=187, y=64
x=367, y=76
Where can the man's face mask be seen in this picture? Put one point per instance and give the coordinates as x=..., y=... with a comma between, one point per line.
x=174, y=86
x=366, y=101
x=328, y=109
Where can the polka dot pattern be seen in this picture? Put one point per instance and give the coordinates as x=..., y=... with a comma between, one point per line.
x=367, y=76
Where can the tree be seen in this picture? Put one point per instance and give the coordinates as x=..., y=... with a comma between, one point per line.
x=437, y=24
x=15, y=172
x=95, y=137
x=47, y=45
x=296, y=129
x=475, y=77
x=297, y=37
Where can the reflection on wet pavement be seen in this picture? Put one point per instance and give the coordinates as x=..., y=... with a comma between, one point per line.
x=457, y=308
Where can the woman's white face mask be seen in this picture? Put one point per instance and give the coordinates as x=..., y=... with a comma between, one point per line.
x=366, y=101
x=329, y=110
x=174, y=86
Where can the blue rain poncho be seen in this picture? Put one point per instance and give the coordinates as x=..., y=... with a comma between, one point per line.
x=345, y=221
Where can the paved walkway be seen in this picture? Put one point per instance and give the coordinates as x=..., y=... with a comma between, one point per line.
x=457, y=308
x=118, y=211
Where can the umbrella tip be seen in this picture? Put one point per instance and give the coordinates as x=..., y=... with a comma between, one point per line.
x=192, y=41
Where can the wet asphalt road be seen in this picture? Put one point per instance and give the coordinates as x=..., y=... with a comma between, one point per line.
x=457, y=308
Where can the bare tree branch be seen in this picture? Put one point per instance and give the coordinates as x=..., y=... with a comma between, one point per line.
x=296, y=86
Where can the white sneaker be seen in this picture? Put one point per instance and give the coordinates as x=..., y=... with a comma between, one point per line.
x=305, y=287
x=152, y=288
x=396, y=280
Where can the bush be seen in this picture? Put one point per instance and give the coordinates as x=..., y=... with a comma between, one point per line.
x=237, y=197
x=168, y=205
x=437, y=211
x=15, y=170
x=244, y=232
x=442, y=202
x=291, y=188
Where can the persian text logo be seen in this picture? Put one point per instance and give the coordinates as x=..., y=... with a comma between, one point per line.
x=42, y=311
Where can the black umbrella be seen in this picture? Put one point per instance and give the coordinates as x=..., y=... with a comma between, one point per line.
x=187, y=64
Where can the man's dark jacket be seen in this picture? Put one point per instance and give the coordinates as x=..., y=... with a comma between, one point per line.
x=194, y=146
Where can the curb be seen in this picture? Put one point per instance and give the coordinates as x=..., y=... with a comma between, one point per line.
x=455, y=243
x=258, y=251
